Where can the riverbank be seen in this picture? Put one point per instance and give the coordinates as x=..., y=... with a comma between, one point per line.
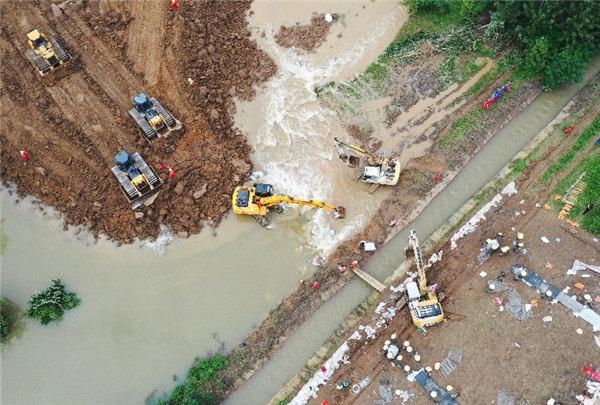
x=549, y=139
x=73, y=128
x=466, y=301
x=304, y=302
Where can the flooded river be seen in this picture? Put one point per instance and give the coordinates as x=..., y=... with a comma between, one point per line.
x=145, y=315
x=309, y=337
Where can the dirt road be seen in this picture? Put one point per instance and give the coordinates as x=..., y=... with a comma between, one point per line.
x=73, y=127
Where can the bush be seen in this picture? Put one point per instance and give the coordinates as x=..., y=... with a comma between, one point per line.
x=416, y=6
x=201, y=386
x=50, y=304
x=5, y=322
x=566, y=67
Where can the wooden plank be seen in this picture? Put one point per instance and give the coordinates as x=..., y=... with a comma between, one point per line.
x=369, y=280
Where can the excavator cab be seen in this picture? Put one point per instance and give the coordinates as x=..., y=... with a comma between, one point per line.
x=423, y=303
x=263, y=190
x=260, y=198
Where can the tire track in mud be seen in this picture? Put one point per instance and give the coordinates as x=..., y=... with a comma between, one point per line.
x=145, y=39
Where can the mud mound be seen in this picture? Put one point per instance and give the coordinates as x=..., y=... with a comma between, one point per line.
x=73, y=128
x=307, y=37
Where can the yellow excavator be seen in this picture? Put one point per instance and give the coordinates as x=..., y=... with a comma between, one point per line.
x=259, y=199
x=377, y=169
x=46, y=54
x=423, y=303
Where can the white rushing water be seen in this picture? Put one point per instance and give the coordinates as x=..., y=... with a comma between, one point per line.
x=293, y=133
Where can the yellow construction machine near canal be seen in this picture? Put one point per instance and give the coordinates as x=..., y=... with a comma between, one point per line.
x=259, y=199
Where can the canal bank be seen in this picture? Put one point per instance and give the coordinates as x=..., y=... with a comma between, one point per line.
x=494, y=155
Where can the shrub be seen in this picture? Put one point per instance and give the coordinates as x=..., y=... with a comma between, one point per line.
x=427, y=5
x=5, y=323
x=50, y=304
x=566, y=67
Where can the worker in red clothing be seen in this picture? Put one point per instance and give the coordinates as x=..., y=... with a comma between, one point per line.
x=24, y=155
x=174, y=5
x=172, y=173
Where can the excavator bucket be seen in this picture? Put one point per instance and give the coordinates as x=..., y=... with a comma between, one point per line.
x=340, y=212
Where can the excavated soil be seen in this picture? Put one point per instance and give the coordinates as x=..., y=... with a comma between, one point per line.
x=73, y=127
x=307, y=37
x=500, y=353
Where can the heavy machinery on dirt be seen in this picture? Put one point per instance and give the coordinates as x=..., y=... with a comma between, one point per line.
x=152, y=118
x=259, y=199
x=423, y=303
x=46, y=54
x=138, y=180
x=377, y=170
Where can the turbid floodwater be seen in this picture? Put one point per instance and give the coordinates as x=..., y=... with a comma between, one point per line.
x=309, y=337
x=149, y=309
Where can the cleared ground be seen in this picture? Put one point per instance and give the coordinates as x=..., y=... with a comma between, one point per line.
x=529, y=360
x=72, y=128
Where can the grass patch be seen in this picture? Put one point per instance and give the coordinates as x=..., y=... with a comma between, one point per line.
x=202, y=385
x=590, y=195
x=567, y=157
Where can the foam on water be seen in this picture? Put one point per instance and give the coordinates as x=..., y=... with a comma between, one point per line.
x=293, y=141
x=161, y=242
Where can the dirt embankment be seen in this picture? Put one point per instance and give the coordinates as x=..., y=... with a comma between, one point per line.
x=73, y=128
x=475, y=324
x=307, y=37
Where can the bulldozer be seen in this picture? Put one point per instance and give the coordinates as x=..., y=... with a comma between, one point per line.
x=423, y=303
x=46, y=54
x=259, y=199
x=377, y=170
x=139, y=182
x=152, y=118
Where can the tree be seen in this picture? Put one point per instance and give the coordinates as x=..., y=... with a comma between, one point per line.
x=50, y=304
x=566, y=67
x=5, y=322
x=557, y=36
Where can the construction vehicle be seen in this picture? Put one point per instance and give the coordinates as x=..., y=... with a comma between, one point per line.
x=46, y=54
x=152, y=118
x=139, y=182
x=259, y=199
x=376, y=170
x=423, y=303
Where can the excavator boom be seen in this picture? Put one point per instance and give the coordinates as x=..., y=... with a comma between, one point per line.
x=258, y=199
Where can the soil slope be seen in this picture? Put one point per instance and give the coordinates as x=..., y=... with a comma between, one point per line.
x=73, y=127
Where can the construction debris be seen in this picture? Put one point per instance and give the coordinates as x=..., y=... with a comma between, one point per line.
x=449, y=364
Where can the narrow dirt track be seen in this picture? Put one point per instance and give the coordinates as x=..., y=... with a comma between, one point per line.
x=73, y=127
x=146, y=37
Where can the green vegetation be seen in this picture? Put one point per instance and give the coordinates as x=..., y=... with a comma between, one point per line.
x=557, y=37
x=202, y=385
x=566, y=158
x=6, y=323
x=51, y=304
x=2, y=238
x=590, y=195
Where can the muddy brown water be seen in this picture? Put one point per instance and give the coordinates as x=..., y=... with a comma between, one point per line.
x=147, y=310
x=145, y=316
x=309, y=337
